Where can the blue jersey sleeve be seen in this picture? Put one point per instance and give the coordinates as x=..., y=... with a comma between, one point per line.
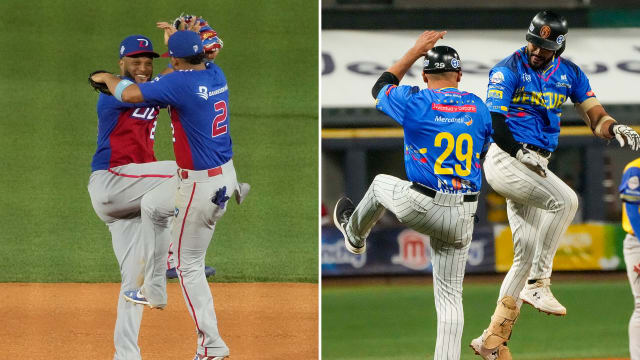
x=488, y=128
x=164, y=90
x=581, y=89
x=630, y=186
x=502, y=84
x=392, y=100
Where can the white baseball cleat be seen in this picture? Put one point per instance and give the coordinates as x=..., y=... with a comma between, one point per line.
x=540, y=297
x=500, y=353
x=341, y=214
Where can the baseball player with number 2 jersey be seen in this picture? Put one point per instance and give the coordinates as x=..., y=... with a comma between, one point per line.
x=131, y=191
x=630, y=196
x=525, y=94
x=445, y=133
x=198, y=99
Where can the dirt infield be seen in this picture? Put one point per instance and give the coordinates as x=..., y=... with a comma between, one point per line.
x=76, y=321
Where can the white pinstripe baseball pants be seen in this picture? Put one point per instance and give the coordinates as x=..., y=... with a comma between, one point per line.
x=539, y=210
x=449, y=223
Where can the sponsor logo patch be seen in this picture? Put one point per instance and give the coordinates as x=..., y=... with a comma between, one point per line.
x=453, y=108
x=560, y=39
x=633, y=182
x=203, y=92
x=495, y=94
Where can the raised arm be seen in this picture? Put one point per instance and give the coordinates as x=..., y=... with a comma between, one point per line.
x=124, y=90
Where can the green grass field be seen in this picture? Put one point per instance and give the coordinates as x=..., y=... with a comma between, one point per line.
x=48, y=230
x=399, y=322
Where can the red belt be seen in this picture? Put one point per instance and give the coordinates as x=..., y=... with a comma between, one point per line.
x=184, y=174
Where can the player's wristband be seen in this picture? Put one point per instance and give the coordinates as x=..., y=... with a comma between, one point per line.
x=123, y=84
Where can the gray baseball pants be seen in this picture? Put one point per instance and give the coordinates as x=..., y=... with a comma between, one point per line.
x=117, y=196
x=195, y=219
x=448, y=221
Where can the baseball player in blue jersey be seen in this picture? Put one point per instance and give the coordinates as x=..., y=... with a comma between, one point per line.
x=630, y=196
x=446, y=132
x=212, y=44
x=198, y=96
x=525, y=93
x=131, y=191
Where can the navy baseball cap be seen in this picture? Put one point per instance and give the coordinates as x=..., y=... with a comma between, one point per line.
x=136, y=45
x=185, y=43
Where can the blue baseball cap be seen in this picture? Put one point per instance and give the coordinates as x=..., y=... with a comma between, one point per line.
x=136, y=45
x=185, y=43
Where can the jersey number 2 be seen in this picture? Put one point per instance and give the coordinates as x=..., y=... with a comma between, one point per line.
x=460, y=155
x=216, y=128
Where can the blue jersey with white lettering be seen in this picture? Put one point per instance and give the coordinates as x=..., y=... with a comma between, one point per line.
x=198, y=104
x=445, y=131
x=531, y=99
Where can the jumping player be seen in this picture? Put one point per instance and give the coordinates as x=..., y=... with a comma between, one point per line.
x=130, y=191
x=630, y=195
x=525, y=93
x=445, y=133
x=212, y=45
x=198, y=96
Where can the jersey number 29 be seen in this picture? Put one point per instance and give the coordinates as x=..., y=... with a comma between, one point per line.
x=463, y=153
x=216, y=128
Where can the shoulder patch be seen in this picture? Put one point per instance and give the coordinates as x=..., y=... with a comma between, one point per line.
x=497, y=77
x=633, y=182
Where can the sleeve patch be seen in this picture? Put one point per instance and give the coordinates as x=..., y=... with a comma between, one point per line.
x=633, y=182
x=497, y=77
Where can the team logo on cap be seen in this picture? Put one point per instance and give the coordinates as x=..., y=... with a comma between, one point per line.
x=121, y=49
x=531, y=27
x=455, y=63
x=143, y=42
x=195, y=48
x=560, y=39
x=426, y=63
x=545, y=31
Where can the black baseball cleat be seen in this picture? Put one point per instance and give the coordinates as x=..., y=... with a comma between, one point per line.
x=341, y=214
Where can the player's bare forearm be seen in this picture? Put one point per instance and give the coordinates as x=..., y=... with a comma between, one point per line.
x=425, y=42
x=600, y=116
x=131, y=93
x=596, y=118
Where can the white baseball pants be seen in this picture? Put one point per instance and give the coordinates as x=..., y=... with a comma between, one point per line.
x=192, y=232
x=117, y=196
x=631, y=252
x=448, y=221
x=540, y=210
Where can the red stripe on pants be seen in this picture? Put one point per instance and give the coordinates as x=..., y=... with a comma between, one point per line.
x=193, y=311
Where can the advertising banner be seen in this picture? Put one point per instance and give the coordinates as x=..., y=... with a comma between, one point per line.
x=589, y=246
x=352, y=61
x=397, y=251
